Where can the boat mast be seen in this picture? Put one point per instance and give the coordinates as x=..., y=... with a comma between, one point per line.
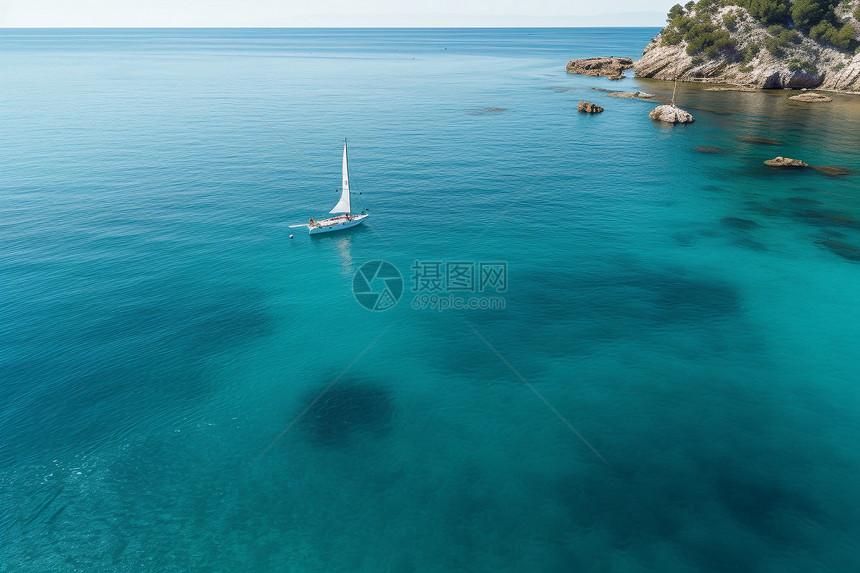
x=346, y=179
x=343, y=205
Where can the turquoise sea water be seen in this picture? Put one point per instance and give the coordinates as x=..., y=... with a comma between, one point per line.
x=693, y=316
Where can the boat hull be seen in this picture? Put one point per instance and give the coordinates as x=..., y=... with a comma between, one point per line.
x=337, y=224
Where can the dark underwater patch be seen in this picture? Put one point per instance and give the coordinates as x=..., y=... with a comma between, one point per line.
x=748, y=243
x=762, y=208
x=135, y=359
x=714, y=189
x=683, y=239
x=670, y=297
x=712, y=110
x=758, y=502
x=844, y=250
x=834, y=171
x=826, y=218
x=802, y=201
x=486, y=110
x=738, y=223
x=710, y=149
x=618, y=303
x=759, y=140
x=348, y=409
x=831, y=234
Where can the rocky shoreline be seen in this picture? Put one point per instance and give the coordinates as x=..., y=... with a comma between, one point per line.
x=738, y=50
x=671, y=63
x=750, y=54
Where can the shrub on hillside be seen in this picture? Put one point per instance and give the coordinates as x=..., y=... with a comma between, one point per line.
x=694, y=24
x=730, y=21
x=751, y=52
x=843, y=37
x=796, y=65
x=768, y=11
x=807, y=13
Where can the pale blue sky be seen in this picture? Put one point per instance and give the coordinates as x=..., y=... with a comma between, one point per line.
x=335, y=13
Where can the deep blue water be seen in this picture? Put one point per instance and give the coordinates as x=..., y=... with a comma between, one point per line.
x=693, y=317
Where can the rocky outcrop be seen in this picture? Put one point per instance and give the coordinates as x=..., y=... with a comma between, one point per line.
x=811, y=97
x=673, y=63
x=786, y=163
x=588, y=107
x=846, y=78
x=802, y=63
x=611, y=67
x=671, y=114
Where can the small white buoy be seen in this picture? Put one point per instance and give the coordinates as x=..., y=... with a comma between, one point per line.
x=291, y=236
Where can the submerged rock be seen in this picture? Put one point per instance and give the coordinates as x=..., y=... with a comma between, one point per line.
x=834, y=170
x=611, y=66
x=738, y=223
x=826, y=218
x=709, y=149
x=632, y=95
x=334, y=414
x=749, y=243
x=588, y=107
x=844, y=250
x=786, y=162
x=810, y=97
x=802, y=201
x=761, y=140
x=671, y=114
x=487, y=110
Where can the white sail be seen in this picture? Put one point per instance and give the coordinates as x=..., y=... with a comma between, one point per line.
x=343, y=205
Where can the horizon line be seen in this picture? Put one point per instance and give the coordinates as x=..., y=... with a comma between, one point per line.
x=313, y=27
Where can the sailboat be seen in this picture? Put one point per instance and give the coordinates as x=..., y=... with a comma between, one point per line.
x=344, y=218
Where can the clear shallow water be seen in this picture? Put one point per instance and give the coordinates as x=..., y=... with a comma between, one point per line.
x=693, y=316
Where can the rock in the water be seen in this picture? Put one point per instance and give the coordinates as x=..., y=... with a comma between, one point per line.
x=810, y=97
x=588, y=107
x=612, y=67
x=632, y=95
x=786, y=162
x=671, y=114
